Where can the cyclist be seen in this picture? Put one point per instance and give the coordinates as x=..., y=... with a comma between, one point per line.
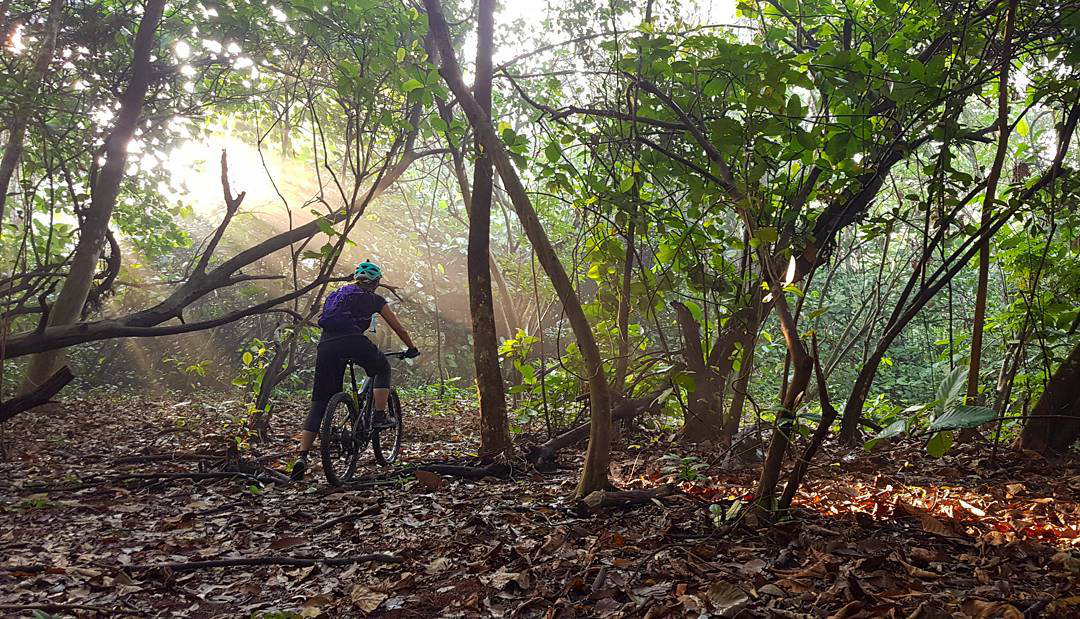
x=346, y=315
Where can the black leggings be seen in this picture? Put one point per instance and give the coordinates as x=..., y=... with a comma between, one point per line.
x=330, y=363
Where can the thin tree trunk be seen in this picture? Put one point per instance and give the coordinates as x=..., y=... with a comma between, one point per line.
x=1062, y=397
x=803, y=365
x=24, y=110
x=494, y=431
x=739, y=387
x=703, y=408
x=622, y=361
x=979, y=319
x=72, y=295
x=595, y=473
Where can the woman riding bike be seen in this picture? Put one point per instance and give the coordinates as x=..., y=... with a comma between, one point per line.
x=346, y=315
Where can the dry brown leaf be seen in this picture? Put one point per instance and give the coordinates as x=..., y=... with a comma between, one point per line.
x=726, y=599
x=282, y=543
x=430, y=480
x=981, y=609
x=366, y=599
x=438, y=565
x=851, y=608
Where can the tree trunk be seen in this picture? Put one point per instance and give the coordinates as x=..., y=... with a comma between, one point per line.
x=987, y=207
x=703, y=416
x=595, y=474
x=1062, y=397
x=739, y=387
x=622, y=361
x=849, y=423
x=69, y=302
x=24, y=109
x=803, y=365
x=494, y=432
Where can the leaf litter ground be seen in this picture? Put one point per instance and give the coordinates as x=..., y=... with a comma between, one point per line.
x=891, y=533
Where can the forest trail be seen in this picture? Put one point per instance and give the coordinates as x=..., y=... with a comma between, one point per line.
x=873, y=539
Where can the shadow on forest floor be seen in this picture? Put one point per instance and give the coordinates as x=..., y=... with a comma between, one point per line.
x=891, y=533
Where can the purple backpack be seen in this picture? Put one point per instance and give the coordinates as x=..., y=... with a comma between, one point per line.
x=336, y=314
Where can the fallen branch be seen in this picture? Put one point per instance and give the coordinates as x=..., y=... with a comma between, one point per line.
x=44, y=392
x=177, y=456
x=542, y=457
x=51, y=608
x=152, y=477
x=495, y=469
x=367, y=511
x=187, y=566
x=602, y=499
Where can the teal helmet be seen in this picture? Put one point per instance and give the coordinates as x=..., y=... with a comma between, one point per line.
x=367, y=272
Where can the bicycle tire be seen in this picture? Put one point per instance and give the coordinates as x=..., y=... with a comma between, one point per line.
x=394, y=434
x=340, y=457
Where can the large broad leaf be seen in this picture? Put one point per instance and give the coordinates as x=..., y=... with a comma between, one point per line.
x=939, y=444
x=950, y=388
x=892, y=430
x=964, y=417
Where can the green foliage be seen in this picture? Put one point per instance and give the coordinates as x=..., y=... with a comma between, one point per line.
x=682, y=468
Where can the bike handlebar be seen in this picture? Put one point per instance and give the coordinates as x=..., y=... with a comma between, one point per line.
x=399, y=354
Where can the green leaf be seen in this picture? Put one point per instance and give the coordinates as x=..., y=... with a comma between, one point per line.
x=400, y=55
x=325, y=226
x=892, y=430
x=411, y=85
x=627, y=184
x=553, y=152
x=1022, y=128
x=950, y=388
x=939, y=444
x=766, y=234
x=964, y=417
x=248, y=358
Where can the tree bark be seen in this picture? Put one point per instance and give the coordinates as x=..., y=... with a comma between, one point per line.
x=1062, y=397
x=24, y=110
x=44, y=392
x=979, y=320
x=69, y=302
x=740, y=385
x=703, y=416
x=494, y=431
x=803, y=365
x=595, y=473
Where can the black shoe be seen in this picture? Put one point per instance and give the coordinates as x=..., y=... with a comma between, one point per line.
x=383, y=421
x=298, y=469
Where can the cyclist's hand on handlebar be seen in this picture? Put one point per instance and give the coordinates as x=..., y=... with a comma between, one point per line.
x=411, y=353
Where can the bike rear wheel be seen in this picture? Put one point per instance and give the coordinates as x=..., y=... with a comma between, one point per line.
x=387, y=443
x=342, y=439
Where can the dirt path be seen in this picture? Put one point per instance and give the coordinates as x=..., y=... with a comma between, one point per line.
x=894, y=534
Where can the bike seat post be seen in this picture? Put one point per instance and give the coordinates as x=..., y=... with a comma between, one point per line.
x=352, y=375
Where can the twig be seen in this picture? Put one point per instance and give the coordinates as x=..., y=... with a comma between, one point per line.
x=186, y=566
x=148, y=477
x=49, y=608
x=368, y=511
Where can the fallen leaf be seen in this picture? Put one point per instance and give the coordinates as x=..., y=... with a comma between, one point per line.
x=366, y=599
x=726, y=598
x=282, y=543
x=751, y=567
x=438, y=565
x=981, y=609
x=430, y=480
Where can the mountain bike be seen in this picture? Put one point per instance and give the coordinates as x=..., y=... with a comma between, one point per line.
x=347, y=428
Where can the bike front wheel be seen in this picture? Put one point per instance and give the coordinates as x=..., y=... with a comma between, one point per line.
x=387, y=443
x=342, y=439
